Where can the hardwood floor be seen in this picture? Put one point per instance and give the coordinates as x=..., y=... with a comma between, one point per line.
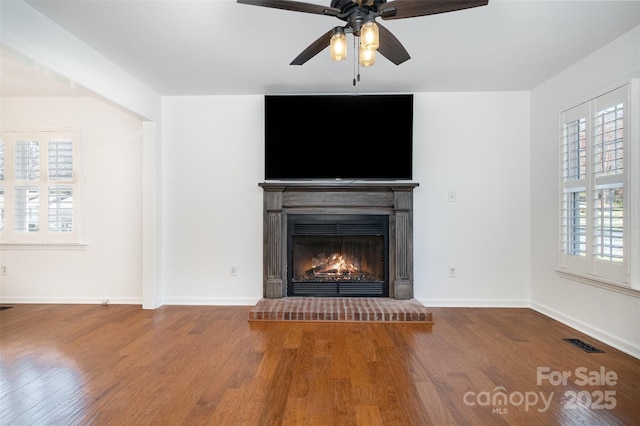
x=121, y=365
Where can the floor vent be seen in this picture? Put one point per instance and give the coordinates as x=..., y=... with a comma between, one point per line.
x=584, y=345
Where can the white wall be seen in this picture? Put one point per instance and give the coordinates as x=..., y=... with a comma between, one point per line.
x=477, y=145
x=473, y=143
x=213, y=161
x=110, y=265
x=604, y=314
x=29, y=35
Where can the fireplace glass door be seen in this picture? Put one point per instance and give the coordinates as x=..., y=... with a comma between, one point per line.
x=340, y=255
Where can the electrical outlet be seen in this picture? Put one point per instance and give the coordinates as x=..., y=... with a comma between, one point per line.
x=4, y=269
x=452, y=271
x=233, y=271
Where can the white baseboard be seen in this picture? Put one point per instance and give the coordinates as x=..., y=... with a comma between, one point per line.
x=476, y=303
x=211, y=301
x=71, y=300
x=623, y=345
x=195, y=301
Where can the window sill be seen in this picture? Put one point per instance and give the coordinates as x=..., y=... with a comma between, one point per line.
x=617, y=286
x=43, y=246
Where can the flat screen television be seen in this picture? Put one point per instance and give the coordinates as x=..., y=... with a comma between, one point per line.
x=330, y=137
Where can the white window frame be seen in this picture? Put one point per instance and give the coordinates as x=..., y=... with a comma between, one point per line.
x=10, y=238
x=621, y=275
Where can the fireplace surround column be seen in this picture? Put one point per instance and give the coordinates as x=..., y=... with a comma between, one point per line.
x=403, y=221
x=273, y=246
x=392, y=199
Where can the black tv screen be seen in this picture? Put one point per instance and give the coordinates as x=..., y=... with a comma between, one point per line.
x=328, y=137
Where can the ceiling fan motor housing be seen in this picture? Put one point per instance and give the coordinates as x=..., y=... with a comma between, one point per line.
x=356, y=13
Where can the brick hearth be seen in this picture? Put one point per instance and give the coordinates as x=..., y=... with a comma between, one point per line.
x=346, y=309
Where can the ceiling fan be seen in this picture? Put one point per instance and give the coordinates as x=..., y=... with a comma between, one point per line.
x=360, y=16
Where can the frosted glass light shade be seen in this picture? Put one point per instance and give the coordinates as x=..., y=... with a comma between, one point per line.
x=338, y=45
x=366, y=57
x=370, y=36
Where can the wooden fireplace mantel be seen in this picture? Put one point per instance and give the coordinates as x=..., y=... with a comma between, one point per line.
x=394, y=199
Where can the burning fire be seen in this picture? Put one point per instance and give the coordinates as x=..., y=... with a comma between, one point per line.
x=332, y=266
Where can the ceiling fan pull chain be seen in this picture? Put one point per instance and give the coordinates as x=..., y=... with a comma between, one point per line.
x=354, y=73
x=354, y=63
x=354, y=56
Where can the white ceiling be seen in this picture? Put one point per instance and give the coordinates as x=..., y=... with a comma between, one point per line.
x=209, y=47
x=20, y=77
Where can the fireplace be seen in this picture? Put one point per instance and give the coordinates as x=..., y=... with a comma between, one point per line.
x=338, y=239
x=338, y=255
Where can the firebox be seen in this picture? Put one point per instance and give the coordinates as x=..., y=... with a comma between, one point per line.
x=338, y=255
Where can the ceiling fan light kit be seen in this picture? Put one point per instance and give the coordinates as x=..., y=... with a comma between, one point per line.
x=368, y=44
x=360, y=16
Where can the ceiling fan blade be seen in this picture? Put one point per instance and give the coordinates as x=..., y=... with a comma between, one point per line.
x=399, y=9
x=295, y=6
x=314, y=48
x=390, y=47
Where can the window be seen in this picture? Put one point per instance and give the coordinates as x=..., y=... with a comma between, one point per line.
x=39, y=187
x=595, y=201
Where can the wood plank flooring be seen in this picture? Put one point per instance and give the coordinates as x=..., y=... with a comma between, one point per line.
x=199, y=365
